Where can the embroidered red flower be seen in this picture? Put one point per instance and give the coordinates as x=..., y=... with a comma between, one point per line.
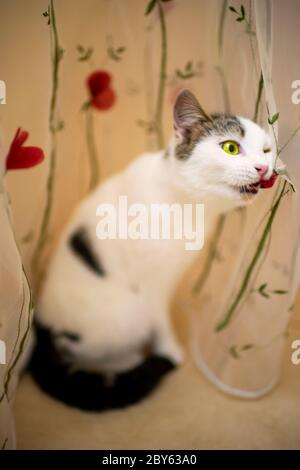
x=102, y=95
x=22, y=157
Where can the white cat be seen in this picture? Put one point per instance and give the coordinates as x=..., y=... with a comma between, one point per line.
x=104, y=336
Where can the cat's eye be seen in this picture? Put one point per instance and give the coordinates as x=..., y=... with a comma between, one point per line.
x=231, y=147
x=267, y=150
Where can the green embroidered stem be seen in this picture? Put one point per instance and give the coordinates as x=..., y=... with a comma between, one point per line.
x=219, y=67
x=23, y=339
x=289, y=140
x=221, y=26
x=258, y=98
x=56, y=55
x=7, y=378
x=197, y=287
x=15, y=358
x=92, y=151
x=250, y=35
x=162, y=79
x=245, y=283
x=4, y=444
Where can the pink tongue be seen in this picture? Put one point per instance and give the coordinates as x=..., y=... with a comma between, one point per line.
x=265, y=184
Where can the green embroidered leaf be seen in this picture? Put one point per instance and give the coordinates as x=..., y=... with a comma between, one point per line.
x=273, y=119
x=150, y=7
x=233, y=352
x=46, y=14
x=190, y=70
x=240, y=15
x=263, y=286
x=149, y=126
x=265, y=294
x=283, y=173
x=115, y=54
x=246, y=347
x=183, y=75
x=84, y=54
x=262, y=290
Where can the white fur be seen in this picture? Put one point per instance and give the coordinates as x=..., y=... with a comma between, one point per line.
x=114, y=315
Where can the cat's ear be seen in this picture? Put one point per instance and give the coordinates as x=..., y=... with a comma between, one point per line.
x=187, y=113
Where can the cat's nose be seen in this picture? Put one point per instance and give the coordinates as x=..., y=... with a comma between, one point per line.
x=261, y=170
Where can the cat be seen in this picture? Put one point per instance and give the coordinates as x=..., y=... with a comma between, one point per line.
x=104, y=335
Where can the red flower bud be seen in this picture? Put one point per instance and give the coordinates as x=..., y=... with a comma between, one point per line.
x=102, y=96
x=22, y=157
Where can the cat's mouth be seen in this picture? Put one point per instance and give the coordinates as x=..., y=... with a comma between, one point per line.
x=253, y=188
x=249, y=188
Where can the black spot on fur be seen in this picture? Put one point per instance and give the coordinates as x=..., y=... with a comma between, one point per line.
x=56, y=375
x=81, y=246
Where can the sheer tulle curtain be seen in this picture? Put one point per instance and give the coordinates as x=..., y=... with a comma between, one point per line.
x=197, y=44
x=238, y=335
x=15, y=316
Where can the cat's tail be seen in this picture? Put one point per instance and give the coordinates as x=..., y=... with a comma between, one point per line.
x=89, y=390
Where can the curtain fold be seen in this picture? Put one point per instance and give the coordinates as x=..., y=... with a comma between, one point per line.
x=15, y=320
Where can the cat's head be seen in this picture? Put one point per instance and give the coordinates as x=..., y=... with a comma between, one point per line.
x=228, y=156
